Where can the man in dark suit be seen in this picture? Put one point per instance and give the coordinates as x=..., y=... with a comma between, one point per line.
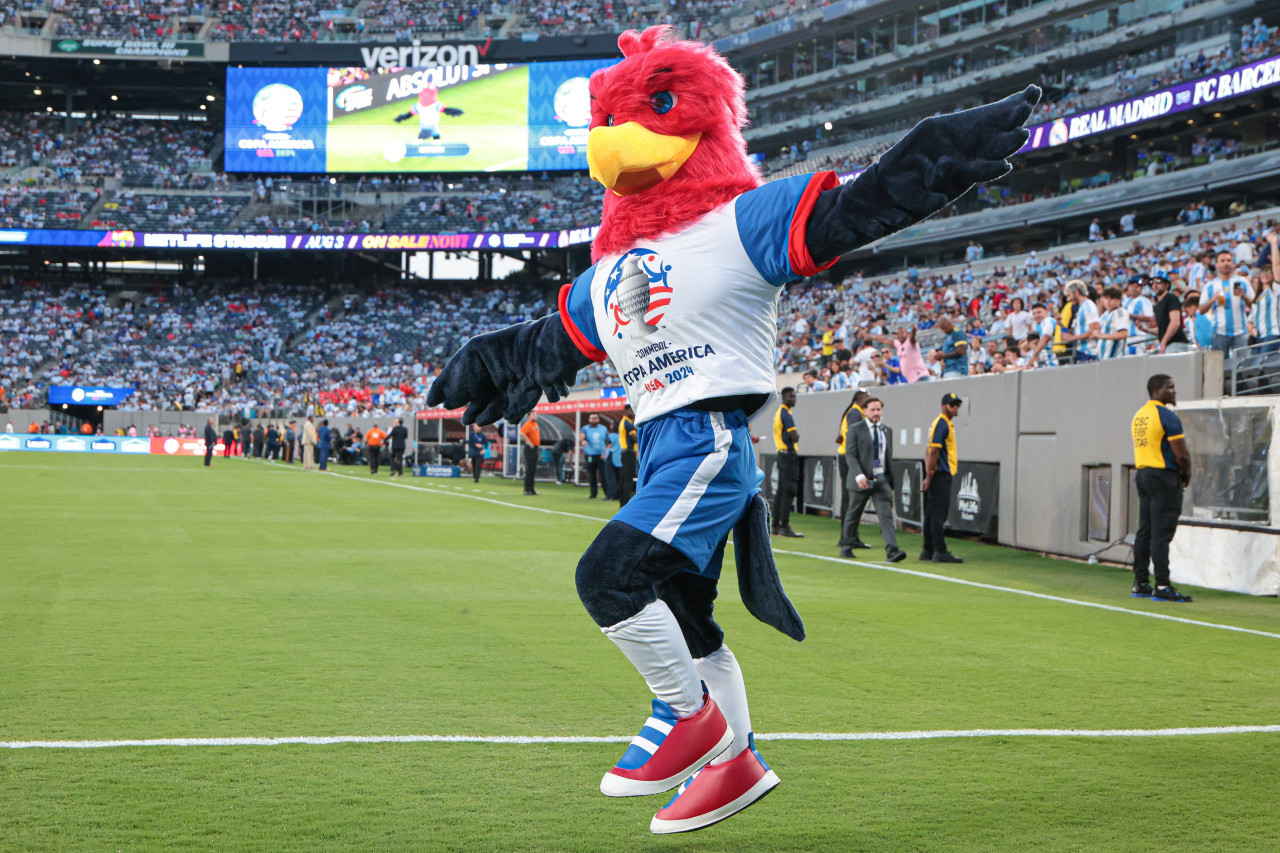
x=852, y=416
x=869, y=449
x=210, y=439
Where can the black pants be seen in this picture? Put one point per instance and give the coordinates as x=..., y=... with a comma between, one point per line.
x=476, y=462
x=397, y=461
x=594, y=473
x=557, y=462
x=530, y=466
x=208, y=454
x=1159, y=505
x=788, y=479
x=937, y=502
x=374, y=455
x=627, y=485
x=612, y=474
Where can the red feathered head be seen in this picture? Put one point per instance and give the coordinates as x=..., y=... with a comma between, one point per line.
x=427, y=95
x=666, y=137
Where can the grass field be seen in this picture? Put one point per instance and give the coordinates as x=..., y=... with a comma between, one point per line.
x=145, y=598
x=493, y=123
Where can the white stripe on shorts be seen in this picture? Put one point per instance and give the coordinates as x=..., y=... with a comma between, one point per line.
x=707, y=471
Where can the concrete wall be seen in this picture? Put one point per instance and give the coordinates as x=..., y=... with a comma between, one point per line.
x=1042, y=427
x=23, y=418
x=166, y=422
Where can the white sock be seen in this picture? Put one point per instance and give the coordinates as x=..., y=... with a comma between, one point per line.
x=652, y=641
x=724, y=682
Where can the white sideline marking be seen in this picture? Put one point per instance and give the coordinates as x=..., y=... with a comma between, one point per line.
x=530, y=739
x=1030, y=594
x=882, y=568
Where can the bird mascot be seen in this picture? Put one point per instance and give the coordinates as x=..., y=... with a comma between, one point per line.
x=692, y=252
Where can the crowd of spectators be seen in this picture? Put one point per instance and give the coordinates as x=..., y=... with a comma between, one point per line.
x=235, y=349
x=886, y=330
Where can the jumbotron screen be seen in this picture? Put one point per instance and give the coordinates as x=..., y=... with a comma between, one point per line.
x=478, y=118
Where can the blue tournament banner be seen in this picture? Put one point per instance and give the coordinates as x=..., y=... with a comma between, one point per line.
x=488, y=241
x=276, y=119
x=75, y=444
x=559, y=112
x=80, y=395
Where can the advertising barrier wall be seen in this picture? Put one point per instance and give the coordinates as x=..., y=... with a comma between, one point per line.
x=975, y=498
x=820, y=483
x=76, y=444
x=908, y=500
x=183, y=447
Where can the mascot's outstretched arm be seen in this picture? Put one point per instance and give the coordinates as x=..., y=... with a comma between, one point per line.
x=505, y=373
x=938, y=161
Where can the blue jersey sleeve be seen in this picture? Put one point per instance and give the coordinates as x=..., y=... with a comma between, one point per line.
x=578, y=318
x=1171, y=423
x=771, y=225
x=940, y=433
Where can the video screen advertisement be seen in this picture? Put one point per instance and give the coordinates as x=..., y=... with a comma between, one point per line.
x=446, y=118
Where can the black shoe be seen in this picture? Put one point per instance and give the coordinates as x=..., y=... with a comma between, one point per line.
x=1141, y=590
x=926, y=556
x=1168, y=593
x=529, y=492
x=846, y=553
x=946, y=557
x=897, y=555
x=858, y=543
x=773, y=531
x=788, y=532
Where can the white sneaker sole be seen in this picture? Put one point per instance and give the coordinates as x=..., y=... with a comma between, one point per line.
x=766, y=784
x=613, y=785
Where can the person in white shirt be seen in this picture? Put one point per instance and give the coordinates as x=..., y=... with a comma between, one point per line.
x=999, y=325
x=1242, y=252
x=1266, y=302
x=1095, y=231
x=1114, y=328
x=1226, y=299
x=1084, y=321
x=1046, y=326
x=1141, y=311
x=1019, y=319
x=862, y=361
x=813, y=383
x=1126, y=223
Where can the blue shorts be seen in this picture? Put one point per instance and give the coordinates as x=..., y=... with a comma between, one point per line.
x=697, y=476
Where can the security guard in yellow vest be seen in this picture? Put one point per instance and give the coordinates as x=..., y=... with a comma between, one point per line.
x=939, y=469
x=851, y=417
x=627, y=443
x=1164, y=471
x=788, y=465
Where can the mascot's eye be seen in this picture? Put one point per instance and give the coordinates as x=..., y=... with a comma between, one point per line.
x=662, y=102
x=609, y=121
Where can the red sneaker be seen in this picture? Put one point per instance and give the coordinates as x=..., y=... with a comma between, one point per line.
x=716, y=792
x=668, y=750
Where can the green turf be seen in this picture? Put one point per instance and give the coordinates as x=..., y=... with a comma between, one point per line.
x=149, y=597
x=494, y=123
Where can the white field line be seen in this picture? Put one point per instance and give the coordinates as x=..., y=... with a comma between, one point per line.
x=521, y=740
x=878, y=567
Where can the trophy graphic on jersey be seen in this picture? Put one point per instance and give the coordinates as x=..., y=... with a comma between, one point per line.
x=633, y=296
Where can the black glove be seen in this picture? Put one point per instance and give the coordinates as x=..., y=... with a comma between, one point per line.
x=932, y=166
x=403, y=117
x=505, y=373
x=451, y=111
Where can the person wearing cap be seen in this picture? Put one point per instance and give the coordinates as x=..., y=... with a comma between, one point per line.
x=1140, y=309
x=1167, y=318
x=1164, y=471
x=939, y=469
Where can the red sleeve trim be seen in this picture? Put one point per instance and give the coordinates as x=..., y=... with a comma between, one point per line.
x=575, y=334
x=802, y=262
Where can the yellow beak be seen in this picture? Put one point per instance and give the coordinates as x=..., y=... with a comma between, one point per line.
x=629, y=158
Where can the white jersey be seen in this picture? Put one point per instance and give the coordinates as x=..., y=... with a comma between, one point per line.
x=1115, y=320
x=428, y=116
x=1266, y=313
x=701, y=322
